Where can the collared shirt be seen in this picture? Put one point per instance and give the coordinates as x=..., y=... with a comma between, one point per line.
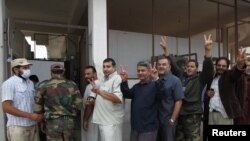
x=170, y=91
x=21, y=92
x=143, y=106
x=105, y=111
x=215, y=101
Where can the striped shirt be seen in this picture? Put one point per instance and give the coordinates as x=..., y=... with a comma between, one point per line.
x=21, y=93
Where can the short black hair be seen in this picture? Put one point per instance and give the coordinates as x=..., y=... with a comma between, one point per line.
x=164, y=57
x=223, y=58
x=34, y=78
x=90, y=67
x=110, y=60
x=193, y=60
x=143, y=64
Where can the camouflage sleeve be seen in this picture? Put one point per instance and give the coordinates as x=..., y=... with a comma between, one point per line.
x=78, y=97
x=39, y=102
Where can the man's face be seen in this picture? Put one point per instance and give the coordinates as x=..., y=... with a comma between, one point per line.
x=191, y=69
x=89, y=74
x=108, y=68
x=221, y=66
x=19, y=71
x=248, y=67
x=143, y=73
x=163, y=66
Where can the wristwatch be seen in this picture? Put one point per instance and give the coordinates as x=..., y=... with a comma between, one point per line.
x=171, y=120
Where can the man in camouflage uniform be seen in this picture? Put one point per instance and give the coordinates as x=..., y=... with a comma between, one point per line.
x=59, y=100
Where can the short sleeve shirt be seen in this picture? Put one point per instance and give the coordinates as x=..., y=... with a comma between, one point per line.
x=170, y=91
x=21, y=92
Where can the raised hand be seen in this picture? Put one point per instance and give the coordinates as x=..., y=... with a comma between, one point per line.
x=124, y=73
x=242, y=57
x=208, y=42
x=164, y=45
x=95, y=88
x=154, y=72
x=208, y=45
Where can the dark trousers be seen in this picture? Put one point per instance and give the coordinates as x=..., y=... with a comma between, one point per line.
x=145, y=136
x=166, y=132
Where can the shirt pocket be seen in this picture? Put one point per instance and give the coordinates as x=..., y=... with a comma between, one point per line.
x=23, y=93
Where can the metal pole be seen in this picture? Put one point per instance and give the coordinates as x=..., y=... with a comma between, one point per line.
x=153, y=40
x=189, y=26
x=218, y=28
x=236, y=28
x=49, y=24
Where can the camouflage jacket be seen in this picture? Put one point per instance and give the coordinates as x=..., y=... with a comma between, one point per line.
x=57, y=97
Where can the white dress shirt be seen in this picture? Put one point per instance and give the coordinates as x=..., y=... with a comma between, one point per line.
x=215, y=101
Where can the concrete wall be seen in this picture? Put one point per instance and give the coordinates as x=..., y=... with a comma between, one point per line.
x=56, y=47
x=130, y=47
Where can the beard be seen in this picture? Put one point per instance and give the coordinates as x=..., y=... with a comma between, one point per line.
x=19, y=74
x=87, y=80
x=220, y=71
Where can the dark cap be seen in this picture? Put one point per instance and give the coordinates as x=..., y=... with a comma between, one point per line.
x=57, y=66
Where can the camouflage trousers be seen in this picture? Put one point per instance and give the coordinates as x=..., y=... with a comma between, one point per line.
x=188, y=128
x=60, y=129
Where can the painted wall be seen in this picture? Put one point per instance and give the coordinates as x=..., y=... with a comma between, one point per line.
x=129, y=48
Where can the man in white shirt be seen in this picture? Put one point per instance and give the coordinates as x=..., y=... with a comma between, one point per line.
x=90, y=129
x=109, y=110
x=18, y=102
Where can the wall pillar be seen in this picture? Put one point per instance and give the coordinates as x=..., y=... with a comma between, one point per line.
x=2, y=68
x=97, y=36
x=97, y=32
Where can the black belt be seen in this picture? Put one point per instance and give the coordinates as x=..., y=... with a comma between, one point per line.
x=215, y=111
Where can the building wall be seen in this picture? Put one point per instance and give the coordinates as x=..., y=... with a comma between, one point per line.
x=128, y=48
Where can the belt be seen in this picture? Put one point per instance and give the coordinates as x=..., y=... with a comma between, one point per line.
x=61, y=117
x=215, y=111
x=67, y=117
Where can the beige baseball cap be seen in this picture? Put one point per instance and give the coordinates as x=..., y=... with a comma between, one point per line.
x=19, y=62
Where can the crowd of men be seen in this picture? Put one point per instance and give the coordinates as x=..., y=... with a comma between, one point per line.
x=168, y=103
